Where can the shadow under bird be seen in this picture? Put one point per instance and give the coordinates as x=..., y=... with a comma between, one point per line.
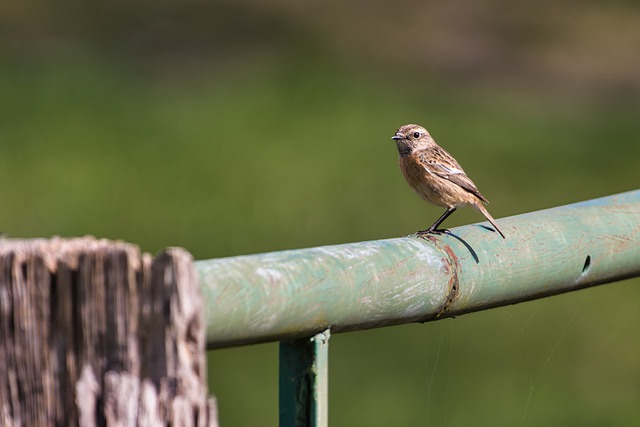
x=436, y=176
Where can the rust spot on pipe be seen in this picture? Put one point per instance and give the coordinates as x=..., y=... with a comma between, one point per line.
x=450, y=267
x=454, y=283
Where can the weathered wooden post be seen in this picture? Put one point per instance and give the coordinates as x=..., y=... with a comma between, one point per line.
x=93, y=332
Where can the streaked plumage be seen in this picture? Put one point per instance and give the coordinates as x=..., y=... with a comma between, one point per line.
x=435, y=175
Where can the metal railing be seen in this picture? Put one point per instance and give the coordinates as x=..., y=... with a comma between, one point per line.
x=299, y=297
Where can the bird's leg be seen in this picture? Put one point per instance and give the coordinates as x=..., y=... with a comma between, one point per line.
x=434, y=228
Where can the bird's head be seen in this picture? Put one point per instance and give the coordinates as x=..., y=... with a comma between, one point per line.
x=409, y=138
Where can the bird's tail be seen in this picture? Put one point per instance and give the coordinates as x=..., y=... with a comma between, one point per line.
x=487, y=215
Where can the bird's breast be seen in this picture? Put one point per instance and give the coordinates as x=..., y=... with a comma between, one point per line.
x=430, y=187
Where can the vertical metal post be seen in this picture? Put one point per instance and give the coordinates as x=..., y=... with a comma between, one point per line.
x=304, y=380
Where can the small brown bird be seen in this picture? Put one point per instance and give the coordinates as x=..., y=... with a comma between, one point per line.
x=436, y=176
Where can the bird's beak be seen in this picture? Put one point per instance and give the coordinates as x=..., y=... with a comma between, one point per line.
x=396, y=137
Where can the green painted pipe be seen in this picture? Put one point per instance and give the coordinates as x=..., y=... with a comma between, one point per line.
x=299, y=293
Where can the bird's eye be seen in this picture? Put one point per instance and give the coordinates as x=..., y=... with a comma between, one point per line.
x=416, y=135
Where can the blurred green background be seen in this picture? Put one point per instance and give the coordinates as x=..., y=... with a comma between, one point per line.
x=238, y=127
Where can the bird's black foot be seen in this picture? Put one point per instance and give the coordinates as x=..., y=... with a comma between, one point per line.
x=432, y=231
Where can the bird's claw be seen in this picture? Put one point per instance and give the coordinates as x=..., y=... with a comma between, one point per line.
x=432, y=231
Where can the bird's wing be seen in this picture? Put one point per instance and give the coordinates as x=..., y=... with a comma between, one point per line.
x=442, y=164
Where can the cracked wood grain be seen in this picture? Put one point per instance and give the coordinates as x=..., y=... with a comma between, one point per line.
x=93, y=332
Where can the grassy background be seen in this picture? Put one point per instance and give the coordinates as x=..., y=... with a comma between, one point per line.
x=292, y=149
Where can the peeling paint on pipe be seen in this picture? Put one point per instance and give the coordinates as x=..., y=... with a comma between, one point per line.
x=298, y=293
